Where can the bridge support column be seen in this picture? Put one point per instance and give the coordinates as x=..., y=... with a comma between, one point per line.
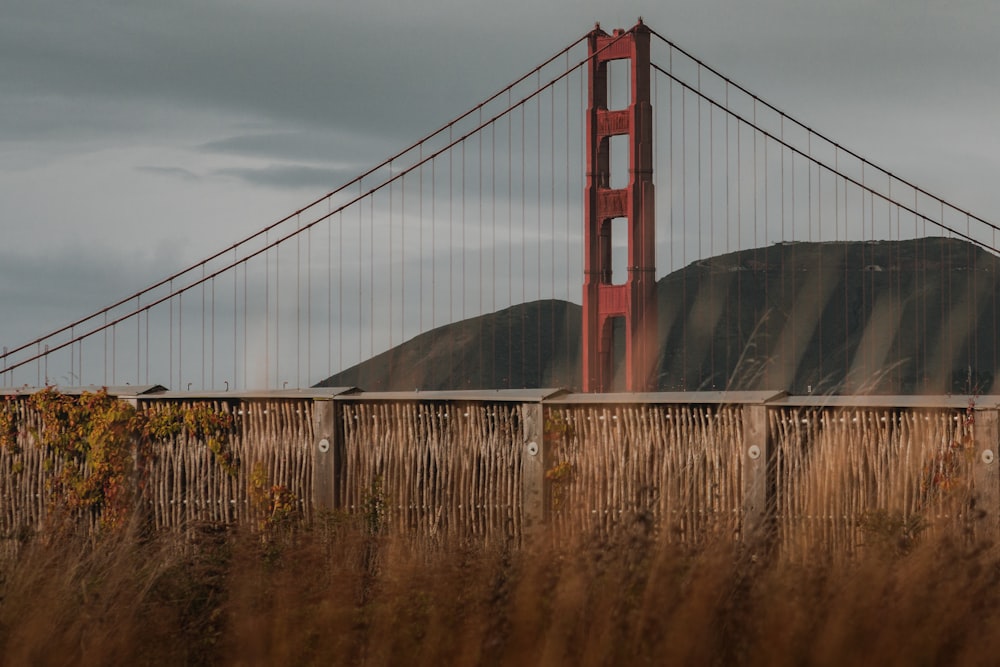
x=327, y=455
x=986, y=475
x=758, y=482
x=535, y=460
x=634, y=301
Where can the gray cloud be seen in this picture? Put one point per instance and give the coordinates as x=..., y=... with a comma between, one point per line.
x=290, y=176
x=312, y=146
x=177, y=124
x=51, y=290
x=173, y=172
x=303, y=66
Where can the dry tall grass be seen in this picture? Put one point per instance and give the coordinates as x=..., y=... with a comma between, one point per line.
x=338, y=594
x=877, y=555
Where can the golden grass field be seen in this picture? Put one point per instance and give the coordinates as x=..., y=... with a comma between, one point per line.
x=339, y=593
x=875, y=552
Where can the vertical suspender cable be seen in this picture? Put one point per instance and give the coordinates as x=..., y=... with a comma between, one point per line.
x=138, y=340
x=972, y=349
x=462, y=226
x=670, y=161
x=711, y=230
x=756, y=240
x=309, y=234
x=402, y=257
x=340, y=290
x=538, y=234
x=482, y=267
x=816, y=380
x=464, y=223
x=701, y=251
x=900, y=303
x=684, y=309
x=493, y=226
x=329, y=287
x=433, y=237
x=847, y=327
x=567, y=346
x=945, y=321
x=246, y=267
x=420, y=245
x=524, y=250
x=371, y=279
x=204, y=327
x=213, y=333
x=267, y=312
x=236, y=376
x=510, y=241
x=767, y=268
x=728, y=214
x=871, y=305
x=861, y=353
x=734, y=367
x=277, y=316
x=392, y=263
x=920, y=312
x=180, y=343
x=787, y=283
x=451, y=258
x=371, y=268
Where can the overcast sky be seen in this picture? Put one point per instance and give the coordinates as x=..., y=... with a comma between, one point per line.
x=136, y=137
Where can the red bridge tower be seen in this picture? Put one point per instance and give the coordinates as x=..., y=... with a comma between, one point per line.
x=634, y=301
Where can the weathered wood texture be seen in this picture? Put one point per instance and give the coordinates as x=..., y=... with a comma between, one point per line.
x=488, y=471
x=677, y=466
x=183, y=483
x=835, y=469
x=435, y=468
x=23, y=477
x=272, y=447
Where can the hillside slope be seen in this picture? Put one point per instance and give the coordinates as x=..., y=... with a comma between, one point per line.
x=904, y=317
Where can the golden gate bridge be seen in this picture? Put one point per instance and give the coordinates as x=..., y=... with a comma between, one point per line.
x=770, y=257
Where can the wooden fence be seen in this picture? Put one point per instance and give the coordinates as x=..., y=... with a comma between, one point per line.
x=507, y=465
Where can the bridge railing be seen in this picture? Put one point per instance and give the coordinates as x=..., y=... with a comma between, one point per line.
x=514, y=466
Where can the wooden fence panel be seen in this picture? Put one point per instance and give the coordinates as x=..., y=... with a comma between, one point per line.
x=272, y=451
x=434, y=469
x=183, y=483
x=24, y=476
x=837, y=471
x=480, y=469
x=677, y=466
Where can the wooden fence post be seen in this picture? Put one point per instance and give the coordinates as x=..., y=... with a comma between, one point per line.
x=327, y=454
x=758, y=487
x=534, y=456
x=985, y=474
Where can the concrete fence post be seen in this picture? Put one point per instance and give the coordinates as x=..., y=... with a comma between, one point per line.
x=758, y=485
x=327, y=455
x=534, y=463
x=986, y=475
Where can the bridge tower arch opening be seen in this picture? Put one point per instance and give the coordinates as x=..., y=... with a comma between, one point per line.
x=634, y=301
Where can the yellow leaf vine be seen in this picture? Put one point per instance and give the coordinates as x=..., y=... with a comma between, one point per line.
x=98, y=447
x=275, y=503
x=558, y=435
